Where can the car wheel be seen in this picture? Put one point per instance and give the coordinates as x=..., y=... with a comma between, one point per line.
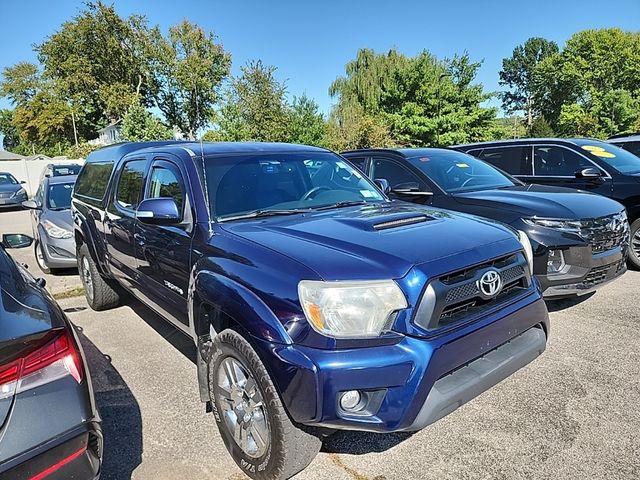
x=634, y=248
x=40, y=258
x=255, y=427
x=100, y=294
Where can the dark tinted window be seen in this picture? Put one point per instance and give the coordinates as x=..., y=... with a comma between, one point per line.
x=393, y=172
x=164, y=183
x=59, y=196
x=514, y=160
x=358, y=162
x=93, y=179
x=633, y=147
x=130, y=184
x=555, y=161
x=7, y=179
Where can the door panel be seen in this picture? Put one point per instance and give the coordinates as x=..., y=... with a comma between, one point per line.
x=120, y=219
x=163, y=252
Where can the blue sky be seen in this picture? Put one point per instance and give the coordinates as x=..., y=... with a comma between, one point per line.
x=310, y=42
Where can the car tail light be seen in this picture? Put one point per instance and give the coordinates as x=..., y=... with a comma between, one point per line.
x=55, y=359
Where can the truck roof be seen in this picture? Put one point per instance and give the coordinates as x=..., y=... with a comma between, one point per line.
x=117, y=151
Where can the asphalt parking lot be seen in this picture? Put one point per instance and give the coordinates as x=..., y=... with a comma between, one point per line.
x=572, y=414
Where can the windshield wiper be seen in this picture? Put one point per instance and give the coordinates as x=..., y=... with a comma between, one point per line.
x=345, y=203
x=265, y=213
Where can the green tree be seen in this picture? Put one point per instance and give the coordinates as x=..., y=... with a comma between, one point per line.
x=540, y=128
x=517, y=74
x=11, y=140
x=306, y=124
x=140, y=125
x=419, y=100
x=350, y=128
x=256, y=106
x=187, y=69
x=592, y=87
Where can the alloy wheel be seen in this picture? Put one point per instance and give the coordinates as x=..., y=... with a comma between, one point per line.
x=87, y=279
x=243, y=407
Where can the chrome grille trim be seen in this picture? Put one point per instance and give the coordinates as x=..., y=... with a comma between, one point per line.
x=605, y=233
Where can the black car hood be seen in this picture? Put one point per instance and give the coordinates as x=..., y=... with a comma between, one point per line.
x=542, y=201
x=345, y=244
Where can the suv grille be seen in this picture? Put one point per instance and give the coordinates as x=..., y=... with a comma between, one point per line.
x=457, y=296
x=605, y=233
x=601, y=274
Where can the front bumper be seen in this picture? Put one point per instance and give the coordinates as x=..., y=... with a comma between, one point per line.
x=415, y=381
x=58, y=252
x=586, y=271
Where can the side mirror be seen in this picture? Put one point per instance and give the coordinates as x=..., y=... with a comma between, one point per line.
x=383, y=184
x=31, y=205
x=410, y=188
x=158, y=211
x=16, y=240
x=589, y=172
x=22, y=182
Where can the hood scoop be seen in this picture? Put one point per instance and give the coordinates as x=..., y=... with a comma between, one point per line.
x=400, y=222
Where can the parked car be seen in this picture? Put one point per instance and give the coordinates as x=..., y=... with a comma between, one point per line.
x=60, y=169
x=49, y=424
x=630, y=142
x=51, y=222
x=314, y=301
x=579, y=240
x=581, y=163
x=12, y=194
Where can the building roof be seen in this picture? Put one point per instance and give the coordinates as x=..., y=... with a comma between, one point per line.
x=5, y=155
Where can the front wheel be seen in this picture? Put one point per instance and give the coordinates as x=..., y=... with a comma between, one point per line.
x=40, y=258
x=634, y=249
x=253, y=423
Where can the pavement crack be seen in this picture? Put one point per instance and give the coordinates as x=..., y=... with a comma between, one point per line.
x=337, y=461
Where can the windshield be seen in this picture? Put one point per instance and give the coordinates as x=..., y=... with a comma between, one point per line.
x=61, y=170
x=458, y=172
x=59, y=196
x=7, y=179
x=616, y=157
x=239, y=185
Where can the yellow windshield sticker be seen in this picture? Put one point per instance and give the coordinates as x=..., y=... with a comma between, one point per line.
x=462, y=165
x=598, y=151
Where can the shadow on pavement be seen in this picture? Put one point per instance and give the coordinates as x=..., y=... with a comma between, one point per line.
x=564, y=303
x=360, y=443
x=120, y=412
x=176, y=337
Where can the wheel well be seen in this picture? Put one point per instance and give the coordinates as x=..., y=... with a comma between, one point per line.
x=79, y=239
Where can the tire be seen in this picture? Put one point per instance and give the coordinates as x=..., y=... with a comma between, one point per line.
x=99, y=292
x=40, y=258
x=286, y=448
x=633, y=259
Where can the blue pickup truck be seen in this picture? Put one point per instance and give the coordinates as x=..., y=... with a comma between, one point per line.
x=315, y=302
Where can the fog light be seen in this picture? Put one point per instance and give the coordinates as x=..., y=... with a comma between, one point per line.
x=555, y=262
x=350, y=401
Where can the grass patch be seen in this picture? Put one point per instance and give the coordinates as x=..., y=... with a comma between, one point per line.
x=69, y=293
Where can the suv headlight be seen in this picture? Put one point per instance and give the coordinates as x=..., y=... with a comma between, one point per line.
x=55, y=231
x=352, y=308
x=528, y=250
x=571, y=226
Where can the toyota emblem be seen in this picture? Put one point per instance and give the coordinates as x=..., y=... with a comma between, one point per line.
x=490, y=283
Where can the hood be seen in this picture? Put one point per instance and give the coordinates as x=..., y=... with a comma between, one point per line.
x=62, y=218
x=10, y=188
x=377, y=241
x=542, y=201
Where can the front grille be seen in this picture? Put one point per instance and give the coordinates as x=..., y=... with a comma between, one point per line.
x=601, y=274
x=6, y=195
x=605, y=233
x=458, y=296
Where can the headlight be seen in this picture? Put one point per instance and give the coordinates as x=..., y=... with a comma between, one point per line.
x=571, y=226
x=528, y=250
x=350, y=309
x=55, y=231
x=19, y=193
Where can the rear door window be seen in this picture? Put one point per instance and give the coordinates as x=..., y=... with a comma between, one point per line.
x=515, y=160
x=93, y=180
x=130, y=184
